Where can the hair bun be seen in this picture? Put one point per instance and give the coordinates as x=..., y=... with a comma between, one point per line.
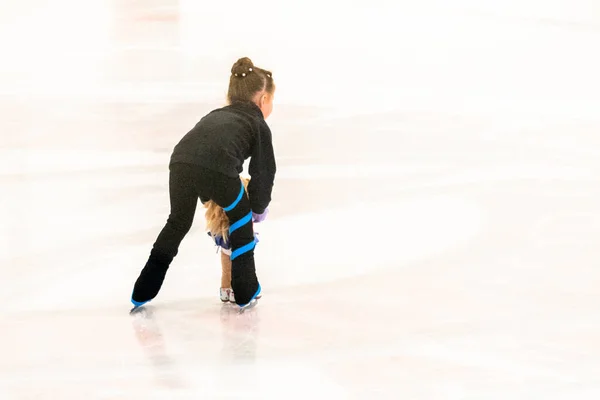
x=242, y=67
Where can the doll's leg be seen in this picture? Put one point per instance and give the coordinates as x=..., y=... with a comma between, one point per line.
x=225, y=270
x=226, y=292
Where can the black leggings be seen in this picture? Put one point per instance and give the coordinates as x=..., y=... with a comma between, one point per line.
x=187, y=183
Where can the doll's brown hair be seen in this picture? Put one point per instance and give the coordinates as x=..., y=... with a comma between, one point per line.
x=217, y=222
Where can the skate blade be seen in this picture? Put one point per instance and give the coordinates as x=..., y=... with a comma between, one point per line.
x=136, y=310
x=138, y=306
x=248, y=306
x=233, y=301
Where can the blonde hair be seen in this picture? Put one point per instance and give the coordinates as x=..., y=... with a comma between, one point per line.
x=217, y=222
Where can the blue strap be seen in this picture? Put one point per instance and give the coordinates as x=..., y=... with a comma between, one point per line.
x=244, y=249
x=235, y=203
x=240, y=223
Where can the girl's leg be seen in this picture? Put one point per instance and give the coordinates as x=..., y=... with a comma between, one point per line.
x=183, y=184
x=230, y=194
x=226, y=293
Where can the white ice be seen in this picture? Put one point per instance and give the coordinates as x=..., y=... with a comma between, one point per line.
x=435, y=225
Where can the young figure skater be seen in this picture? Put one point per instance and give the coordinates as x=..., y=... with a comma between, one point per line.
x=206, y=164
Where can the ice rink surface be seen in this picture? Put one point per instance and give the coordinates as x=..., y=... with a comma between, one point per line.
x=435, y=226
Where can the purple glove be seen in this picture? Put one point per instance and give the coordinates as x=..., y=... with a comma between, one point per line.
x=259, y=217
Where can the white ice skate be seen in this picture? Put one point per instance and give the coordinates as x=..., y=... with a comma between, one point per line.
x=227, y=295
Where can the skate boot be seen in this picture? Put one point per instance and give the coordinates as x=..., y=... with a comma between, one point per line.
x=253, y=301
x=151, y=278
x=246, y=288
x=227, y=295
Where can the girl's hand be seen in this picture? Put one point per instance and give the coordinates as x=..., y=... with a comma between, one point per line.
x=256, y=218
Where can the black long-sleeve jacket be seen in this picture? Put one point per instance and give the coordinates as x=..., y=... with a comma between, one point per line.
x=223, y=139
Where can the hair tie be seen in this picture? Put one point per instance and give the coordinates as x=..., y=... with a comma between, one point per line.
x=243, y=73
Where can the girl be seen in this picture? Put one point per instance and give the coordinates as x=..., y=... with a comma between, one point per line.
x=206, y=164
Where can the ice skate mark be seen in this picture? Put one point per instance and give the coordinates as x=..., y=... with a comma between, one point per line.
x=137, y=310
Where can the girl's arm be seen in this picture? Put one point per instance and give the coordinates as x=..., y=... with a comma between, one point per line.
x=262, y=170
